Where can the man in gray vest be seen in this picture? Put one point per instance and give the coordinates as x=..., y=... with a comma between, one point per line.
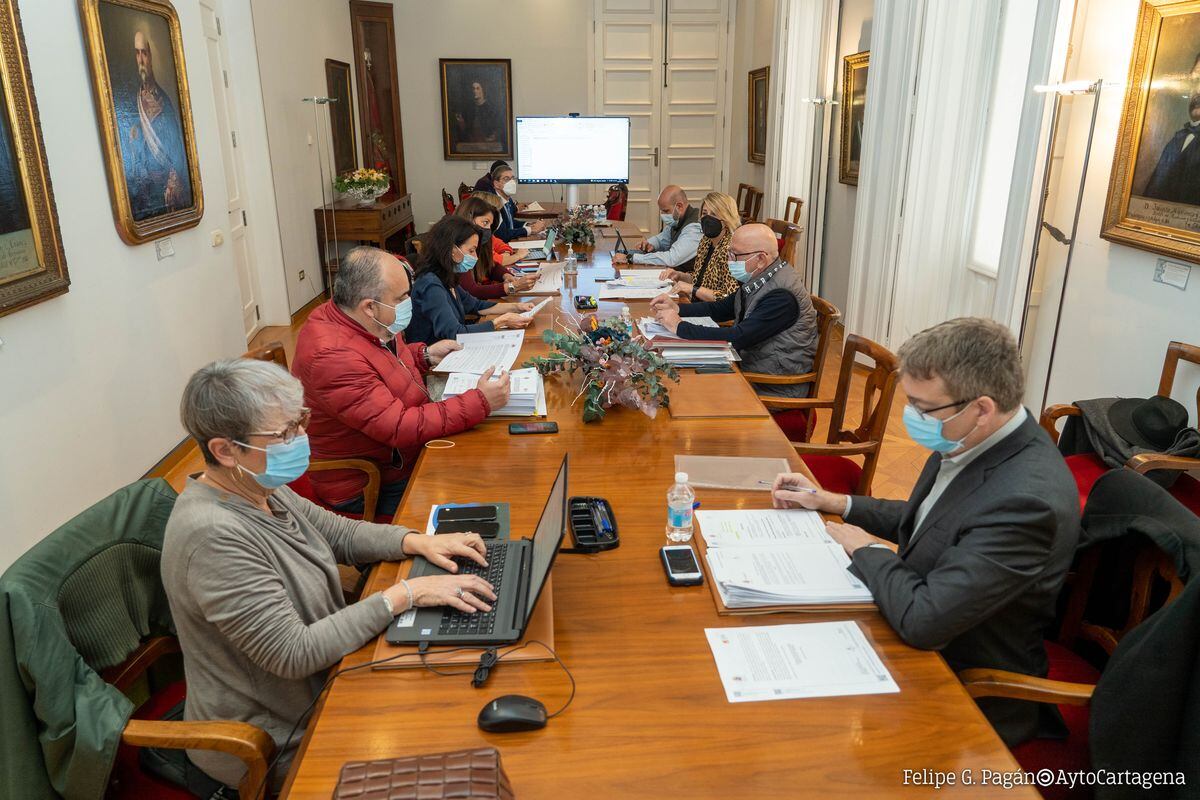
x=774, y=323
x=675, y=246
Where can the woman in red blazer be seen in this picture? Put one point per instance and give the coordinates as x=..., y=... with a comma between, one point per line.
x=488, y=279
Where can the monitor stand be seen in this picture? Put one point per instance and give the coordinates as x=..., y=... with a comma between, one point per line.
x=572, y=195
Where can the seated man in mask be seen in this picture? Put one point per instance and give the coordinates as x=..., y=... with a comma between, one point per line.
x=675, y=246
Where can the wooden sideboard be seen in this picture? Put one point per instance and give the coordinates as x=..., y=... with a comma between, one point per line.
x=373, y=224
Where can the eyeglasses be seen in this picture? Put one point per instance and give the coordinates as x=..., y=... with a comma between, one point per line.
x=291, y=431
x=927, y=413
x=741, y=256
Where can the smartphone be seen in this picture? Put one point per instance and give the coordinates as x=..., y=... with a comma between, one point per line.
x=714, y=369
x=585, y=303
x=518, y=428
x=679, y=562
x=483, y=513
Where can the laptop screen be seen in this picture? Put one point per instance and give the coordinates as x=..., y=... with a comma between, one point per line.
x=548, y=537
x=549, y=242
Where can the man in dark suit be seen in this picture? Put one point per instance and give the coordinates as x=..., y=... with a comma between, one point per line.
x=986, y=538
x=1176, y=177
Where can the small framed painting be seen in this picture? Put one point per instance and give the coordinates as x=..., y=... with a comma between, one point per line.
x=756, y=136
x=1154, y=190
x=477, y=116
x=854, y=105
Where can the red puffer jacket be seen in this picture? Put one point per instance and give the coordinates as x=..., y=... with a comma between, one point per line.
x=367, y=402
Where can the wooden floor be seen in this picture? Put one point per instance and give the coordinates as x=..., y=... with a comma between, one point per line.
x=900, y=459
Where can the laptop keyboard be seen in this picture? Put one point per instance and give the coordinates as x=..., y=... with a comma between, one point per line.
x=460, y=623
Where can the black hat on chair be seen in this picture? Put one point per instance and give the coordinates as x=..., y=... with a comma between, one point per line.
x=1153, y=423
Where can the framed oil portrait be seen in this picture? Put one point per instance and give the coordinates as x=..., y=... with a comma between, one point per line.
x=854, y=105
x=1154, y=190
x=32, y=265
x=477, y=117
x=140, y=88
x=756, y=134
x=341, y=116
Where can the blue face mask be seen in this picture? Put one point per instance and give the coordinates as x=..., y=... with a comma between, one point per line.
x=285, y=462
x=668, y=220
x=927, y=431
x=403, y=311
x=738, y=270
x=467, y=264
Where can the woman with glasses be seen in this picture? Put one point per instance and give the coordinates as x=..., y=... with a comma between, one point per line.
x=250, y=567
x=440, y=304
x=488, y=279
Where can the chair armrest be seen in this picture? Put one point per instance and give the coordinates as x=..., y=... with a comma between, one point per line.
x=1014, y=685
x=1051, y=414
x=123, y=675
x=847, y=449
x=767, y=378
x=794, y=402
x=370, y=491
x=250, y=744
x=1144, y=462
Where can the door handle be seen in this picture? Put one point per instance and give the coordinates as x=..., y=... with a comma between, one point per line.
x=655, y=154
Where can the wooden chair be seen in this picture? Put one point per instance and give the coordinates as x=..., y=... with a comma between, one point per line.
x=788, y=235
x=798, y=424
x=1086, y=468
x=465, y=191
x=742, y=198
x=791, y=211
x=829, y=462
x=271, y=351
x=753, y=208
x=448, y=204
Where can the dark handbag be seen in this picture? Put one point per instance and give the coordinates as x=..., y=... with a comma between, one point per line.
x=461, y=774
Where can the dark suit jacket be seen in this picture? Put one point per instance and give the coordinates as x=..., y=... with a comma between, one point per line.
x=980, y=580
x=1176, y=177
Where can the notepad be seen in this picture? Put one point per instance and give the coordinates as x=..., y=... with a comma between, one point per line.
x=783, y=662
x=526, y=397
x=483, y=351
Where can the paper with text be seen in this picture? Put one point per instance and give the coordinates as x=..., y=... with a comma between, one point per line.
x=760, y=526
x=481, y=351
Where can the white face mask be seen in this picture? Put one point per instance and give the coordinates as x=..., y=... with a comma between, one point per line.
x=668, y=219
x=510, y=188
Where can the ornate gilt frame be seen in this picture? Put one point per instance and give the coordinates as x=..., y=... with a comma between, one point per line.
x=131, y=231
x=763, y=73
x=850, y=64
x=52, y=279
x=1118, y=227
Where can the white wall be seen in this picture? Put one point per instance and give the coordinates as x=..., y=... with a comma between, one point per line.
x=754, y=30
x=1116, y=320
x=854, y=36
x=547, y=41
x=90, y=381
x=294, y=37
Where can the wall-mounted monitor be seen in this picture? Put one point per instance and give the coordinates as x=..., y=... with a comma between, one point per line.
x=573, y=149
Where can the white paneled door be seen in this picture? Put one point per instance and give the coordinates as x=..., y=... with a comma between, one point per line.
x=664, y=64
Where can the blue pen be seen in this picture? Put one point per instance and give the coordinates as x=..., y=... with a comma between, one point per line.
x=695, y=505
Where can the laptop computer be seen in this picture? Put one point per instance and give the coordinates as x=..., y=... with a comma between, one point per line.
x=621, y=247
x=547, y=248
x=517, y=569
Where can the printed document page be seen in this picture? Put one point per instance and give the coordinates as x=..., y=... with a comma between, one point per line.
x=536, y=308
x=748, y=577
x=781, y=662
x=498, y=349
x=652, y=328
x=766, y=526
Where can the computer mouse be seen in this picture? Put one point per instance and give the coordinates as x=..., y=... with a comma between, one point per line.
x=512, y=712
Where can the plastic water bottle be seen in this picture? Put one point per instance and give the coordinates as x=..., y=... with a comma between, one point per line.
x=601, y=214
x=627, y=319
x=570, y=266
x=680, y=499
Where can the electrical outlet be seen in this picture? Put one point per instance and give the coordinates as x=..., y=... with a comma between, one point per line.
x=301, y=274
x=164, y=248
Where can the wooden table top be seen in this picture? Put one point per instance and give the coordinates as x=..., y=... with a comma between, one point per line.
x=650, y=718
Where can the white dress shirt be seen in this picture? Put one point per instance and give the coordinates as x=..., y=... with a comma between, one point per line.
x=676, y=254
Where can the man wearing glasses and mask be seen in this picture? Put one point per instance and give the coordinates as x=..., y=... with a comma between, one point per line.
x=972, y=563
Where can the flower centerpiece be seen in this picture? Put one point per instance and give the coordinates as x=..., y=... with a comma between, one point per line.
x=364, y=185
x=617, y=367
x=575, y=226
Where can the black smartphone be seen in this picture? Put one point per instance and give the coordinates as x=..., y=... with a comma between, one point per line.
x=486, y=530
x=714, y=369
x=481, y=513
x=518, y=428
x=586, y=303
x=680, y=564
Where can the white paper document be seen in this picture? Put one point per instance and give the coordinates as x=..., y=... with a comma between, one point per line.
x=652, y=328
x=766, y=526
x=640, y=278
x=527, y=392
x=528, y=244
x=782, y=662
x=536, y=308
x=550, y=280
x=498, y=349
x=534, y=206
x=609, y=292
x=814, y=574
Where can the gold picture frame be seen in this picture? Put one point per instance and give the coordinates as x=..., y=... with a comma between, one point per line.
x=758, y=97
x=144, y=112
x=33, y=267
x=854, y=105
x=1154, y=188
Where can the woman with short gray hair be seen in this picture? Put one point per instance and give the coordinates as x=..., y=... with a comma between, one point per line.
x=250, y=567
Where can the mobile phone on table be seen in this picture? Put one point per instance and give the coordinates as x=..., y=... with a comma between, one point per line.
x=680, y=564
x=519, y=428
x=480, y=513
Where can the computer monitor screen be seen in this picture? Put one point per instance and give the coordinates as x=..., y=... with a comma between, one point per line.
x=573, y=149
x=548, y=537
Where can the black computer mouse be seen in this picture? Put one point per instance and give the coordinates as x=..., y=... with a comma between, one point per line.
x=512, y=712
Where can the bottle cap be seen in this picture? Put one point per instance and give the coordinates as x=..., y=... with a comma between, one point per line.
x=681, y=477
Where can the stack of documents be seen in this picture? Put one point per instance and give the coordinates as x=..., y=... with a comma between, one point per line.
x=775, y=557
x=682, y=353
x=781, y=662
x=495, y=349
x=652, y=329
x=527, y=393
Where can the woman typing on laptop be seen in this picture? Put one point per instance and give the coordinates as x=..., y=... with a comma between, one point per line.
x=250, y=567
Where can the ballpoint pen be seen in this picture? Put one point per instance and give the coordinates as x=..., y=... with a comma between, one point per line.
x=790, y=488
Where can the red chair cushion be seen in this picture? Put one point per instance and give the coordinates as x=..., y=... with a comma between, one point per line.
x=1187, y=491
x=127, y=779
x=835, y=473
x=1067, y=754
x=794, y=423
x=1086, y=469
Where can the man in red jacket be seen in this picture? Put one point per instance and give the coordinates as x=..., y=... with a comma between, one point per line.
x=366, y=386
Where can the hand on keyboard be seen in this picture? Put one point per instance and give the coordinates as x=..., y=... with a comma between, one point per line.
x=439, y=550
x=468, y=593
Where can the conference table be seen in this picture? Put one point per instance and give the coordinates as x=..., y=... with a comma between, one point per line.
x=650, y=717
